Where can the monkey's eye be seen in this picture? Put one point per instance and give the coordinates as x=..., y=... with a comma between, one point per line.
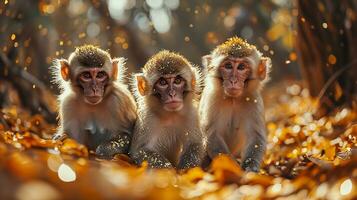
x=162, y=81
x=178, y=80
x=241, y=66
x=228, y=65
x=100, y=74
x=86, y=75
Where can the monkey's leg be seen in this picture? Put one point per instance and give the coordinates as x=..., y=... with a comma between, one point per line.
x=206, y=161
x=154, y=159
x=191, y=157
x=216, y=145
x=119, y=145
x=253, y=155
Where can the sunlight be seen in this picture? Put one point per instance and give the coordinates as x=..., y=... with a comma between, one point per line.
x=66, y=173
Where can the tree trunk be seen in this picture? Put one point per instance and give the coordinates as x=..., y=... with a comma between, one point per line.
x=327, y=47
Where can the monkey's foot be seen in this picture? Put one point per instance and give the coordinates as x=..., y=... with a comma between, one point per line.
x=155, y=160
x=109, y=149
x=191, y=158
x=160, y=164
x=250, y=165
x=187, y=165
x=206, y=162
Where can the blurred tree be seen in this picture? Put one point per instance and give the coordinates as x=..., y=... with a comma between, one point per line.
x=35, y=32
x=21, y=43
x=327, y=44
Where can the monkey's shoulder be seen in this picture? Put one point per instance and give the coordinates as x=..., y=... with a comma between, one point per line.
x=123, y=94
x=149, y=125
x=67, y=97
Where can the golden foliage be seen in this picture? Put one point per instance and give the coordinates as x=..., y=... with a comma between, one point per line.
x=306, y=158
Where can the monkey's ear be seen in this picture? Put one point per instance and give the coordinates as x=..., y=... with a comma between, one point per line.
x=116, y=63
x=64, y=66
x=263, y=67
x=193, y=82
x=142, y=84
x=196, y=76
x=206, y=60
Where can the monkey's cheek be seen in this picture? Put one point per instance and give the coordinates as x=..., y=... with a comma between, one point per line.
x=172, y=107
x=93, y=100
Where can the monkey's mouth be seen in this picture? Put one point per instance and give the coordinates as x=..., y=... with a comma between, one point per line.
x=173, y=105
x=234, y=92
x=93, y=100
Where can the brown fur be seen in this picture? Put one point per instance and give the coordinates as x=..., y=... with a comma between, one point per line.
x=236, y=47
x=166, y=139
x=90, y=56
x=106, y=127
x=165, y=62
x=235, y=126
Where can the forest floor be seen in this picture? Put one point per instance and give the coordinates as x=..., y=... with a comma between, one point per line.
x=306, y=158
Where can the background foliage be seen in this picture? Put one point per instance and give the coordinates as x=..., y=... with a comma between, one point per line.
x=310, y=102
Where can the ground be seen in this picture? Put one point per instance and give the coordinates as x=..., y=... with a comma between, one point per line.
x=306, y=158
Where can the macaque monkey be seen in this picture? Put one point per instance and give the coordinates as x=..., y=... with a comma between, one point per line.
x=231, y=108
x=95, y=107
x=167, y=132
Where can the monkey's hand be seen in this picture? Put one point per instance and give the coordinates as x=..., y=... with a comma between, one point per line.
x=250, y=165
x=253, y=157
x=154, y=159
x=59, y=136
x=191, y=157
x=216, y=146
x=119, y=145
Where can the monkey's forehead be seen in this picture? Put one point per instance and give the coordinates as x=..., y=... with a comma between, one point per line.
x=235, y=47
x=90, y=56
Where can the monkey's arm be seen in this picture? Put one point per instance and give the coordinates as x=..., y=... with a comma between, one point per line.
x=154, y=159
x=256, y=144
x=191, y=156
x=254, y=154
x=118, y=145
x=216, y=145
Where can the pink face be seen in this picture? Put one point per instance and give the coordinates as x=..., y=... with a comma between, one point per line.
x=170, y=90
x=93, y=82
x=235, y=73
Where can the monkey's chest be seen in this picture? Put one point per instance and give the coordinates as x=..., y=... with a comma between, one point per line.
x=95, y=130
x=235, y=139
x=230, y=128
x=169, y=143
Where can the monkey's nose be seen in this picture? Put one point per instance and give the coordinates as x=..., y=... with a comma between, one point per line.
x=234, y=81
x=172, y=93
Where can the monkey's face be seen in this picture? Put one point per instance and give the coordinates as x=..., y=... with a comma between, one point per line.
x=170, y=91
x=93, y=82
x=235, y=74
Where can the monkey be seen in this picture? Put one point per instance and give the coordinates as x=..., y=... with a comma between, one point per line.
x=167, y=133
x=96, y=108
x=231, y=109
